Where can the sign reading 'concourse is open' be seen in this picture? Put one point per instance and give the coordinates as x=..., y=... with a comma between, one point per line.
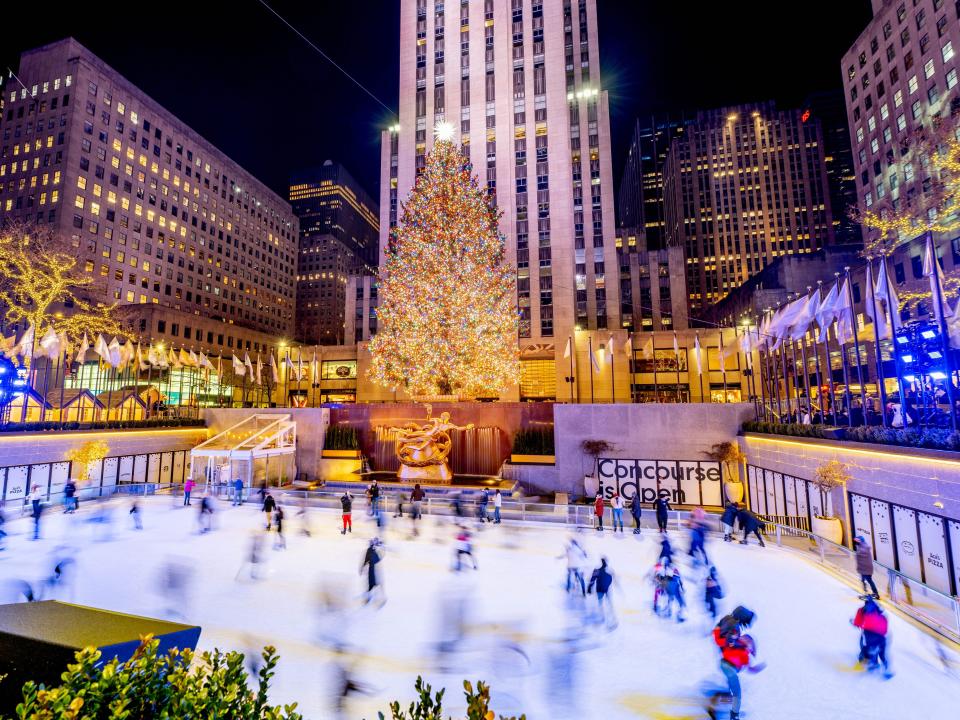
x=683, y=482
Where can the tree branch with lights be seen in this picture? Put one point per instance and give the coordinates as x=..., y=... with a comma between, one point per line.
x=447, y=317
x=41, y=283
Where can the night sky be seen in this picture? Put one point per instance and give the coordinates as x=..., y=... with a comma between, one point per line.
x=243, y=80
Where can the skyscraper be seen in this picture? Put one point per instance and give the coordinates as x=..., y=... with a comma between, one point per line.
x=188, y=243
x=899, y=76
x=523, y=95
x=339, y=231
x=742, y=186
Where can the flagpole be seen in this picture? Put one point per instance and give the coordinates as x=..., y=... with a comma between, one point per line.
x=878, y=357
x=762, y=357
x=723, y=367
x=573, y=350
x=856, y=346
x=63, y=382
x=631, y=364
x=590, y=347
x=653, y=348
x=944, y=330
x=699, y=352
x=613, y=390
x=796, y=384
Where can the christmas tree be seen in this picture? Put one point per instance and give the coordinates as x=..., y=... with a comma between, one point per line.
x=447, y=319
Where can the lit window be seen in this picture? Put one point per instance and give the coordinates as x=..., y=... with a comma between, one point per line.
x=81, y=182
x=947, y=51
x=874, y=145
x=898, y=98
x=884, y=112
x=859, y=134
x=912, y=84
x=951, y=79
x=901, y=122
x=928, y=69
x=871, y=123
x=78, y=202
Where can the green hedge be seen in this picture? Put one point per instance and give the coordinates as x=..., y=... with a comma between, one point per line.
x=930, y=438
x=341, y=437
x=56, y=425
x=534, y=441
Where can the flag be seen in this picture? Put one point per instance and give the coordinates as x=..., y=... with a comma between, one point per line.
x=566, y=350
x=676, y=350
x=239, y=369
x=142, y=362
x=115, y=353
x=941, y=307
x=846, y=323
x=887, y=294
x=184, y=358
x=288, y=363
x=806, y=315
x=259, y=379
x=50, y=344
x=696, y=353
x=248, y=366
x=8, y=345
x=173, y=360
x=873, y=307
x=628, y=346
x=300, y=370
x=25, y=346
x=647, y=349
x=194, y=360
x=82, y=352
x=205, y=362
x=273, y=369
x=723, y=357
x=610, y=347
x=593, y=358
x=102, y=349
x=827, y=313
x=128, y=353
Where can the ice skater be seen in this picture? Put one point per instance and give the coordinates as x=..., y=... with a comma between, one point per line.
x=662, y=507
x=304, y=518
x=602, y=580
x=205, y=518
x=371, y=558
x=497, y=505
x=636, y=510
x=616, y=503
x=576, y=558
x=727, y=519
x=482, y=505
x=401, y=498
x=279, y=542
x=254, y=557
x=346, y=512
x=69, y=496
x=598, y=511
x=187, y=489
x=660, y=577
x=35, y=498
x=698, y=537
x=712, y=592
x=666, y=551
x=675, y=592
x=865, y=565
x=736, y=655
x=135, y=515
x=750, y=523
x=269, y=505
x=237, y=492
x=416, y=500
x=463, y=546
x=873, y=640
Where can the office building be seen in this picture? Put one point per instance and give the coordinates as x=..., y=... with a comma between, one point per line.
x=520, y=82
x=653, y=284
x=339, y=235
x=742, y=186
x=193, y=248
x=640, y=196
x=899, y=77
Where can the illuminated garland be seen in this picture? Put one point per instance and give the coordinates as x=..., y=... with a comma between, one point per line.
x=447, y=318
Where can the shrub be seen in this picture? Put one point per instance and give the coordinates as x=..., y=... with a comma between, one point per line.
x=534, y=441
x=341, y=437
x=928, y=438
x=430, y=707
x=150, y=685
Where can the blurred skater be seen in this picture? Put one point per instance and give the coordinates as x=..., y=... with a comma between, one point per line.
x=69, y=496
x=660, y=577
x=674, y=592
x=346, y=510
x=205, y=518
x=135, y=515
x=253, y=559
x=873, y=641
x=636, y=510
x=601, y=580
x=736, y=655
x=698, y=537
x=712, y=592
x=371, y=558
x=666, y=550
x=576, y=559
x=482, y=515
x=750, y=523
x=416, y=499
x=304, y=518
x=35, y=498
x=662, y=507
x=464, y=546
x=727, y=519
x=279, y=542
x=598, y=511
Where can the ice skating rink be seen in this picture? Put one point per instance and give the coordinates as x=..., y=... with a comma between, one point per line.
x=509, y=623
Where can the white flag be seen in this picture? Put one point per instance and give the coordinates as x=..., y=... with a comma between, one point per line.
x=827, y=312
x=259, y=379
x=593, y=358
x=194, y=360
x=25, y=346
x=128, y=353
x=932, y=271
x=82, y=352
x=248, y=365
x=886, y=293
x=239, y=369
x=647, y=349
x=610, y=347
x=273, y=369
x=696, y=353
x=115, y=353
x=50, y=344
x=102, y=349
x=628, y=346
x=873, y=307
x=566, y=350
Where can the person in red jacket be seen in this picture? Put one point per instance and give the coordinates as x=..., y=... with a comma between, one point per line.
x=598, y=511
x=873, y=641
x=736, y=650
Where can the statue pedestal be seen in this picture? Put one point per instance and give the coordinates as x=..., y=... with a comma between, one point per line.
x=426, y=473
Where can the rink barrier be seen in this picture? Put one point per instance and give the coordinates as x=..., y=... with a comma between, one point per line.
x=936, y=610
x=926, y=605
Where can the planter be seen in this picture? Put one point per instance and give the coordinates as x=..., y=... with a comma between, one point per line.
x=341, y=454
x=834, y=433
x=829, y=528
x=591, y=485
x=733, y=489
x=523, y=459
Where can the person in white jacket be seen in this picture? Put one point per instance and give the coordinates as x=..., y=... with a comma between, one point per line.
x=617, y=504
x=576, y=559
x=497, y=504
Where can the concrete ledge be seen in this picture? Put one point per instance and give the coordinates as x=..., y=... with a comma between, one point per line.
x=850, y=445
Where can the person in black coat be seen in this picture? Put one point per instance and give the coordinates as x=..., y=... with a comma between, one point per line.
x=601, y=580
x=750, y=524
x=666, y=551
x=269, y=505
x=727, y=519
x=662, y=506
x=636, y=510
x=370, y=559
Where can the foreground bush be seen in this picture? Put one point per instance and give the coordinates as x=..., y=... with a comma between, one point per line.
x=429, y=706
x=930, y=438
x=157, y=686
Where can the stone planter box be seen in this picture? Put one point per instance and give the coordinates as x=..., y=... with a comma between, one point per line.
x=829, y=528
x=341, y=454
x=834, y=433
x=521, y=459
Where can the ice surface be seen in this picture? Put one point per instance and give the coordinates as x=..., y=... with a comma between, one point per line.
x=521, y=633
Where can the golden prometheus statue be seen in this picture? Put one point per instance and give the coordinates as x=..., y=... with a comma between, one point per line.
x=423, y=449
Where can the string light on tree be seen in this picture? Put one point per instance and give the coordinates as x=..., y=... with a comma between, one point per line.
x=447, y=319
